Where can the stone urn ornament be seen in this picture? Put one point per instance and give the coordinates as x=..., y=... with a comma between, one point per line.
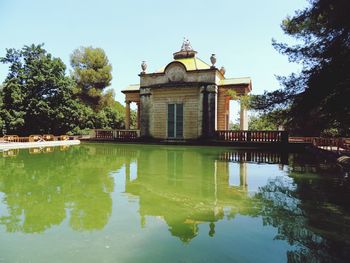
x=223, y=71
x=213, y=60
x=143, y=66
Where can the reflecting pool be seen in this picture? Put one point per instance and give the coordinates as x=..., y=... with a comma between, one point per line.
x=148, y=203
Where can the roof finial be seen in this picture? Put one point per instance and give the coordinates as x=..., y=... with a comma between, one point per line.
x=186, y=45
x=143, y=67
x=222, y=70
x=213, y=60
x=186, y=50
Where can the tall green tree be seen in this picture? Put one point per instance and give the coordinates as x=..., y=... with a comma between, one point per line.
x=2, y=121
x=317, y=98
x=92, y=73
x=37, y=96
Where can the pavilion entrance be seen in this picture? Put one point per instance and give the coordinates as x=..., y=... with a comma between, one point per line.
x=175, y=121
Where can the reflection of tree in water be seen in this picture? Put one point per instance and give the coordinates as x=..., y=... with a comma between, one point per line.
x=313, y=216
x=39, y=188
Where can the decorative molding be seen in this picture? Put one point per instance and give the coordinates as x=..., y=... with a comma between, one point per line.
x=175, y=73
x=145, y=91
x=212, y=89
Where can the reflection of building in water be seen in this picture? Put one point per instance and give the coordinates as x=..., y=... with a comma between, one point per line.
x=255, y=157
x=186, y=187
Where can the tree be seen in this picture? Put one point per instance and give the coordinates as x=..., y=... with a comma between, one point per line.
x=317, y=99
x=234, y=126
x=12, y=110
x=92, y=73
x=267, y=121
x=37, y=96
x=2, y=120
x=261, y=123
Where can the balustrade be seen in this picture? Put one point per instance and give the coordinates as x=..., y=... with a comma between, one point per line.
x=116, y=134
x=253, y=136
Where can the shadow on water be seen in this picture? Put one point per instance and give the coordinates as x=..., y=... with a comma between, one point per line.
x=308, y=202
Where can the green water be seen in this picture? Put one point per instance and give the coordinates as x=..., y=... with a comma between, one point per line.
x=138, y=203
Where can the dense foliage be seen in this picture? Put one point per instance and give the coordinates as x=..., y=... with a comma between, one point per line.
x=316, y=100
x=263, y=122
x=270, y=121
x=37, y=97
x=92, y=73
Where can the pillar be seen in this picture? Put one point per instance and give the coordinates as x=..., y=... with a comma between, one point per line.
x=221, y=107
x=243, y=119
x=145, y=112
x=209, y=111
x=227, y=113
x=127, y=115
x=138, y=115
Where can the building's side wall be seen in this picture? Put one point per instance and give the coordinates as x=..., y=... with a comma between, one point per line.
x=191, y=99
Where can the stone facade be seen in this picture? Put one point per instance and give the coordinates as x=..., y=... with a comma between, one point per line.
x=200, y=90
x=189, y=97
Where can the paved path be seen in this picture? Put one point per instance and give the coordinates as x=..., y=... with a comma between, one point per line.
x=25, y=145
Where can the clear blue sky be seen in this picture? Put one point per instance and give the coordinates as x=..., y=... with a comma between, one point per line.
x=238, y=32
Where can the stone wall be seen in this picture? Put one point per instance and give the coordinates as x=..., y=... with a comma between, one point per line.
x=190, y=97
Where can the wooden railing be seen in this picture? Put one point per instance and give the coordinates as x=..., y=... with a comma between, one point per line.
x=253, y=136
x=126, y=135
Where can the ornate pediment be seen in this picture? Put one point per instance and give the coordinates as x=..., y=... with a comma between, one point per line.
x=175, y=72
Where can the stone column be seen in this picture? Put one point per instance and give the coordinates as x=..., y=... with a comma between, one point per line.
x=243, y=119
x=138, y=115
x=221, y=115
x=227, y=113
x=200, y=112
x=145, y=112
x=127, y=115
x=209, y=111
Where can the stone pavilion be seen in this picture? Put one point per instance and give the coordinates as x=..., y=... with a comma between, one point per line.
x=186, y=99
